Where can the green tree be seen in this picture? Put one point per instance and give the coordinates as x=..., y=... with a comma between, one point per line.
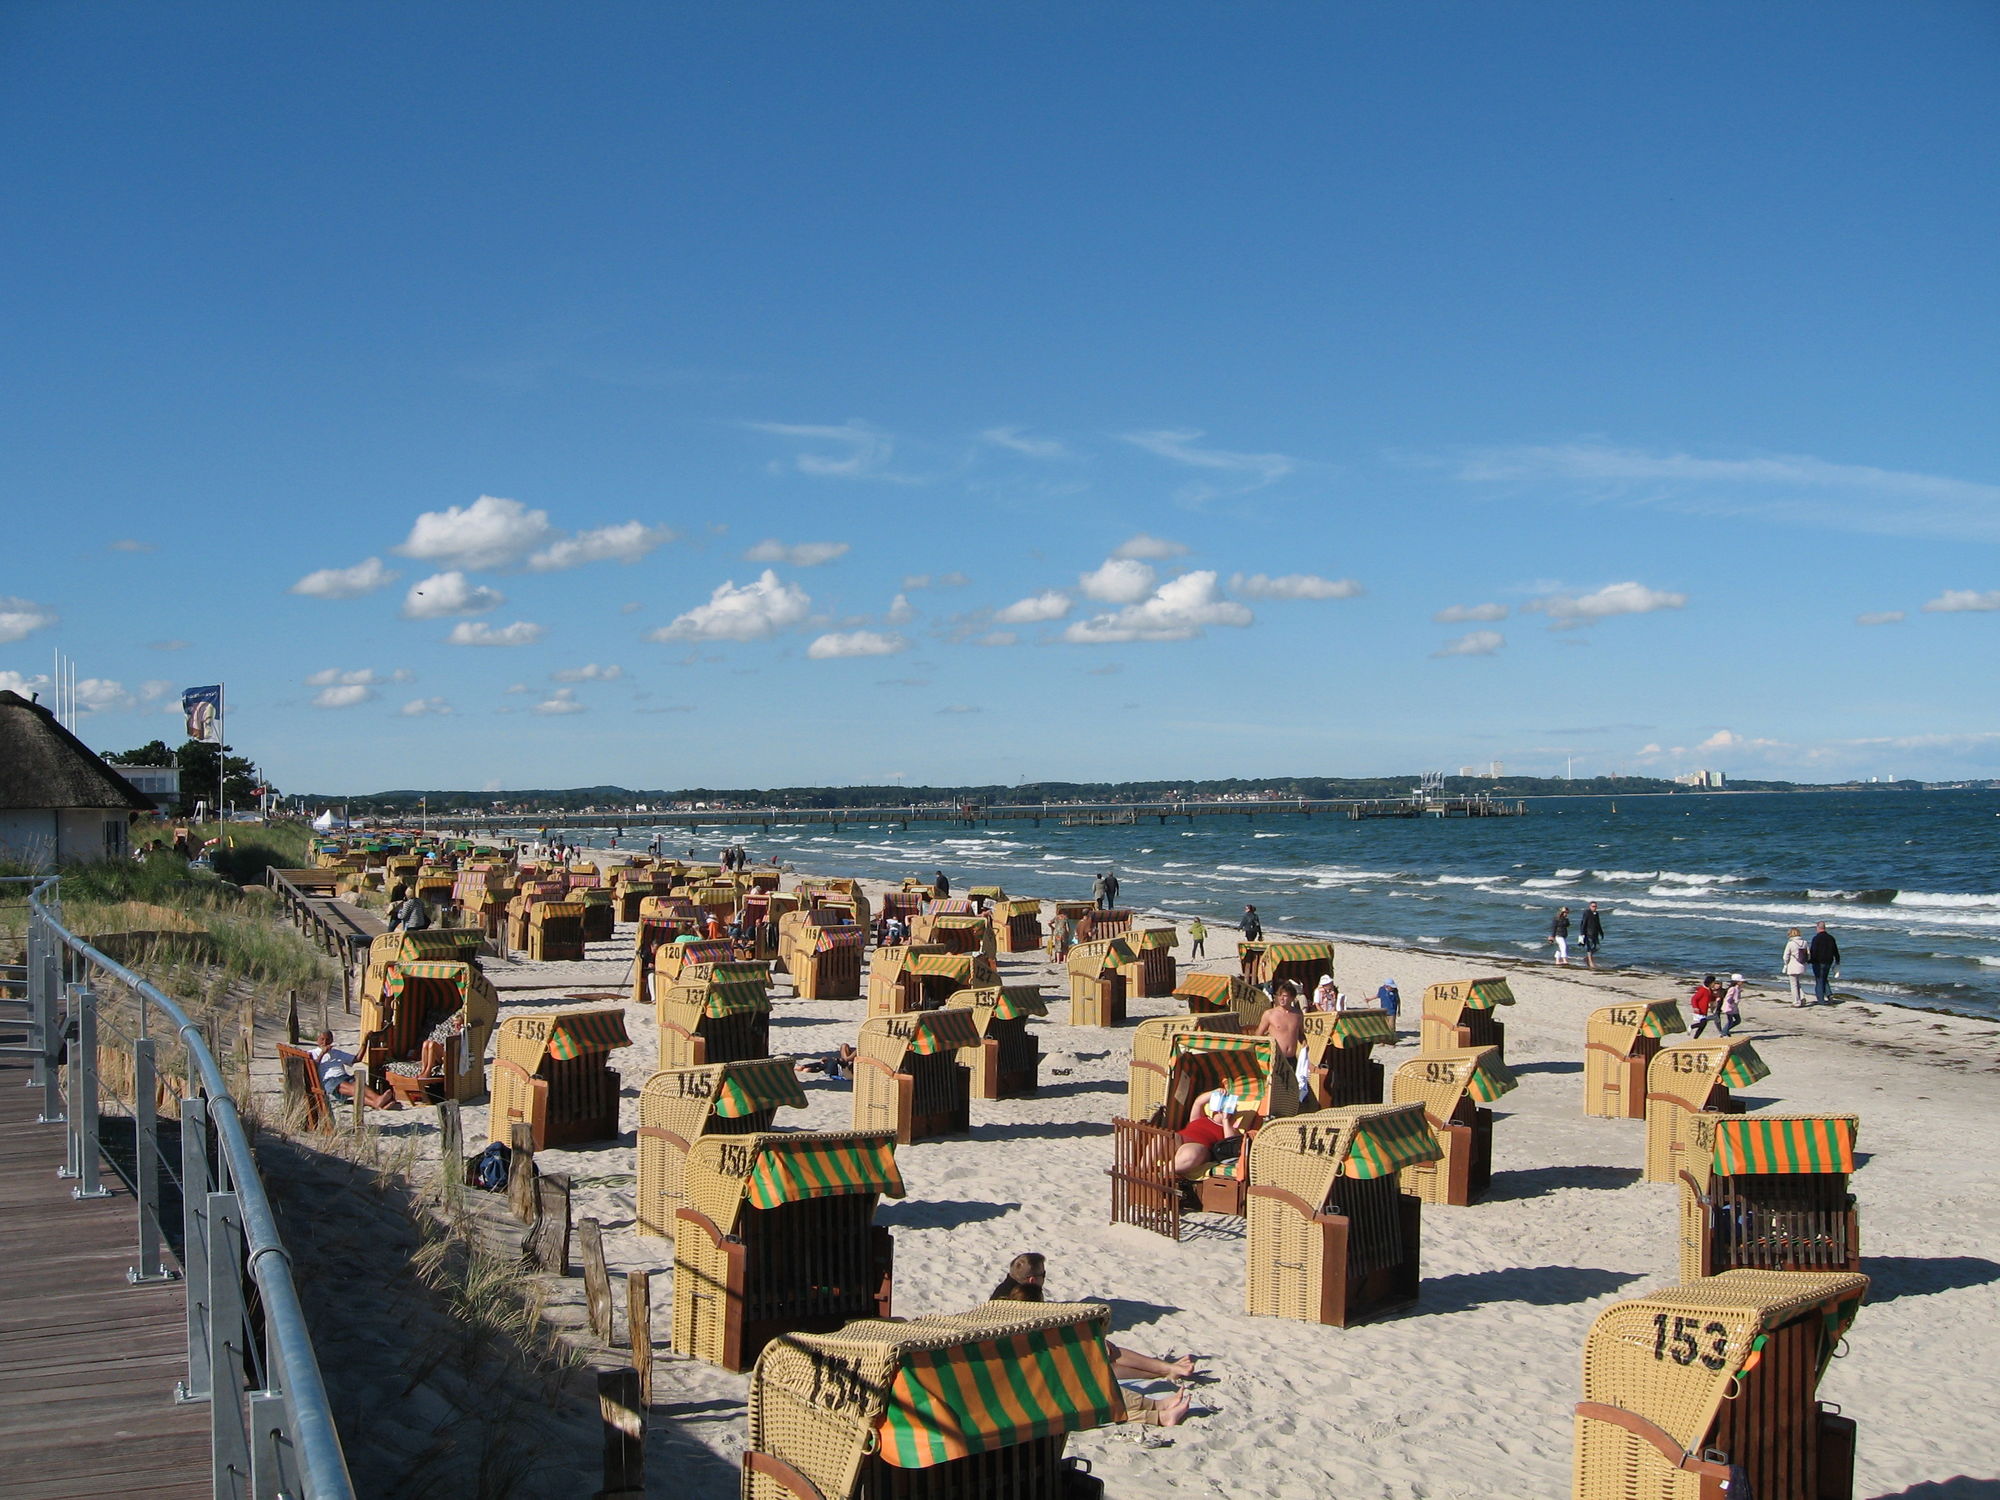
x=197, y=760
x=152, y=753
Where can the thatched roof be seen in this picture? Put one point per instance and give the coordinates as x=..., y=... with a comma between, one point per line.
x=43, y=765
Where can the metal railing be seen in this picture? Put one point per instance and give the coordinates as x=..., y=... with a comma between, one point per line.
x=250, y=1356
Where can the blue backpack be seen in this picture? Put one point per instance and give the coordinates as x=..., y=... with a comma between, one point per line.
x=490, y=1167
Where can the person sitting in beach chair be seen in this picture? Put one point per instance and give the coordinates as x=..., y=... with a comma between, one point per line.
x=336, y=1074
x=1213, y=1133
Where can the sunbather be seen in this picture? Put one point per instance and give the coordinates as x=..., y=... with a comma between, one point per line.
x=1213, y=1133
x=1023, y=1283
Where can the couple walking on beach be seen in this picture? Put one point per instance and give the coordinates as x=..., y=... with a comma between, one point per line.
x=1819, y=954
x=1587, y=941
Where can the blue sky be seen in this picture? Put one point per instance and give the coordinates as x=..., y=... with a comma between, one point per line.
x=509, y=395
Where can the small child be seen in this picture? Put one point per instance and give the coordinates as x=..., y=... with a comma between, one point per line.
x=1729, y=1010
x=1702, y=1003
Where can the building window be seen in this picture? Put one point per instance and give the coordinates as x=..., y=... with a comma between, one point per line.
x=114, y=838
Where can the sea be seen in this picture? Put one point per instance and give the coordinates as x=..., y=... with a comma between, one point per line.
x=1908, y=882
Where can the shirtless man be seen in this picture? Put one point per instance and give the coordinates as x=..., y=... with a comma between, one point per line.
x=1283, y=1025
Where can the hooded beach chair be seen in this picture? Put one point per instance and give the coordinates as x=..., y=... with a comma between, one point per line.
x=552, y=1072
x=894, y=986
x=1269, y=964
x=633, y=885
x=1768, y=1194
x=1464, y=1013
x=1150, y=975
x=1619, y=1043
x=529, y=894
x=905, y=905
x=1333, y=1238
x=762, y=910
x=713, y=1014
x=955, y=931
x=1017, y=925
x=1454, y=1088
x=1688, y=1079
x=911, y=1078
x=1093, y=922
x=1008, y=1063
x=1145, y=1190
x=679, y=1106
x=926, y=978
x=1153, y=1053
x=440, y=944
x=660, y=922
x=938, y=1408
x=1339, y=1047
x=1710, y=1391
x=825, y=962
x=1097, y=981
x=838, y=895
x=600, y=912
x=555, y=930
x=436, y=1014
x=778, y=1237
x=1208, y=994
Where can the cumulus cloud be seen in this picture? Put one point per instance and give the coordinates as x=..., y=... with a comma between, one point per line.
x=1180, y=609
x=1122, y=580
x=1950, y=602
x=1050, y=604
x=798, y=554
x=1293, y=586
x=343, y=695
x=1470, y=614
x=1880, y=617
x=754, y=612
x=132, y=544
x=346, y=583
x=590, y=672
x=489, y=533
x=154, y=689
x=627, y=543
x=1475, y=643
x=1601, y=604
x=915, y=581
x=479, y=633
x=27, y=687
x=1016, y=441
x=838, y=644
x=417, y=708
x=21, y=618
x=997, y=638
x=1149, y=548
x=443, y=595
x=561, y=701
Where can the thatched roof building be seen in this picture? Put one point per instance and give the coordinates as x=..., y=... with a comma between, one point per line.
x=58, y=801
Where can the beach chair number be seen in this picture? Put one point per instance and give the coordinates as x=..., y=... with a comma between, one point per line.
x=836, y=1384
x=1318, y=1140
x=734, y=1161
x=1689, y=1061
x=695, y=1086
x=1681, y=1346
x=1440, y=1072
x=1625, y=1016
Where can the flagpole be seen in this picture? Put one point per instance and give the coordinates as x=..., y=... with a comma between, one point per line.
x=221, y=755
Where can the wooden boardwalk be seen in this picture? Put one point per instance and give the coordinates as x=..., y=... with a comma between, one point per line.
x=88, y=1362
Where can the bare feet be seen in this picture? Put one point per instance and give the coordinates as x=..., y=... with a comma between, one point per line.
x=1168, y=1411
x=1180, y=1368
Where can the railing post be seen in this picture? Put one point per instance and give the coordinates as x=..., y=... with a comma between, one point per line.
x=274, y=1470
x=45, y=984
x=228, y=1360
x=83, y=1096
x=146, y=1165
x=194, y=1243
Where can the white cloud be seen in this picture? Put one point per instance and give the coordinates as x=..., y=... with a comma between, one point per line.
x=1880, y=617
x=561, y=701
x=417, y=708
x=1122, y=580
x=154, y=689
x=1612, y=599
x=345, y=695
x=346, y=583
x=591, y=672
x=443, y=595
x=27, y=687
x=1950, y=602
x=1293, y=586
x=1475, y=643
x=479, y=633
x=1181, y=608
x=1179, y=446
x=798, y=554
x=997, y=638
x=914, y=581
x=1149, y=548
x=518, y=687
x=1016, y=441
x=861, y=451
x=20, y=618
x=489, y=533
x=1722, y=739
x=1468, y=614
x=900, y=611
x=839, y=644
x=132, y=544
x=627, y=542
x=1050, y=604
x=757, y=610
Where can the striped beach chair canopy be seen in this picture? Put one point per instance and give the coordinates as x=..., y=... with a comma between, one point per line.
x=951, y=906
x=1440, y=1080
x=1002, y=1002
x=1783, y=1144
x=1099, y=956
x=1016, y=906
x=1620, y=1026
x=1451, y=999
x=831, y=939
x=891, y=1039
x=1307, y=1155
x=560, y=1035
x=729, y=997
x=1364, y=1027
x=1687, y=1072
x=966, y=968
x=1273, y=954
x=397, y=975
x=1241, y=1065
x=1146, y=939
x=724, y=1091
x=727, y=1173
x=987, y=893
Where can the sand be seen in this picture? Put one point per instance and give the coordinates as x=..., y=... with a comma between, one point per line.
x=1470, y=1392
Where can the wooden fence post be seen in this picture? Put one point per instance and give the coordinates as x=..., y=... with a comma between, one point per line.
x=639, y=1324
x=292, y=1018
x=521, y=1171
x=624, y=1416
x=451, y=1148
x=596, y=1278
x=547, y=1242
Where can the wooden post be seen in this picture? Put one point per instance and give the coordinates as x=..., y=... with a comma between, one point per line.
x=292, y=1018
x=246, y=1035
x=360, y=1093
x=547, y=1244
x=521, y=1171
x=639, y=1326
x=596, y=1278
x=451, y=1147
x=624, y=1416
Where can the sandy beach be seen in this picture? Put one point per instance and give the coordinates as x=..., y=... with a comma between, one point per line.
x=1469, y=1393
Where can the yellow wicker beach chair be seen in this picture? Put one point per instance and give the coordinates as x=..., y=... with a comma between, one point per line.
x=1008, y=1063
x=552, y=1071
x=1207, y=994
x=893, y=984
x=1768, y=1193
x=713, y=1014
x=600, y=912
x=555, y=930
x=1150, y=975
x=838, y=895
x=530, y=894
x=939, y=1408
x=827, y=965
x=1692, y=1078
x=1619, y=1042
x=658, y=926
x=1017, y=925
x=432, y=944
x=1453, y=1087
x=927, y=978
x=1153, y=1053
x=956, y=932
x=633, y=885
x=445, y=1004
x=1709, y=1390
x=1333, y=1238
x=1093, y=923
x=1464, y=1013
x=1270, y=964
x=910, y=1077
x=679, y=1106
x=778, y=1237
x=762, y=911
x=1097, y=981
x=1340, y=1068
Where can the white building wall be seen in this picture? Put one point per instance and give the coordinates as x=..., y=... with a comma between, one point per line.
x=28, y=836
x=91, y=833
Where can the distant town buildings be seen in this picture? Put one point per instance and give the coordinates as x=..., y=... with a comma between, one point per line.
x=1707, y=781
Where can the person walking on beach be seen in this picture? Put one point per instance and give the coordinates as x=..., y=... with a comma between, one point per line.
x=1252, y=925
x=1110, y=889
x=1198, y=935
x=1797, y=959
x=1702, y=1003
x=1391, y=1000
x=1729, y=1009
x=1593, y=934
x=1559, y=935
x=942, y=884
x=1823, y=953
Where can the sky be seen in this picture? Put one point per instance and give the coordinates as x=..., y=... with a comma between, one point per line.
x=505, y=396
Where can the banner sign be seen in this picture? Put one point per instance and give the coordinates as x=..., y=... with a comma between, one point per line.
x=203, y=707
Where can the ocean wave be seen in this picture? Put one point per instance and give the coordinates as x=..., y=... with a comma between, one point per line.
x=1544, y=884
x=1946, y=901
x=1629, y=875
x=1570, y=874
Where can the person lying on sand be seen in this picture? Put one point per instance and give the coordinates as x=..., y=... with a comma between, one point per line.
x=1023, y=1283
